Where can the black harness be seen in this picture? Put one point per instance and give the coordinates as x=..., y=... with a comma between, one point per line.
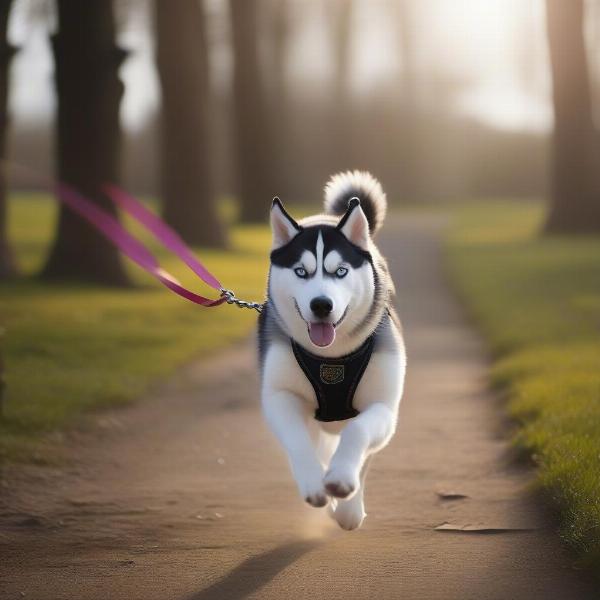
x=335, y=379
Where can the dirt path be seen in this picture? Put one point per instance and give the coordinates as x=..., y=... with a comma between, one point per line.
x=187, y=496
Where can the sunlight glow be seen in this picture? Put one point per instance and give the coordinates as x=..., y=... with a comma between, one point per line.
x=490, y=54
x=499, y=47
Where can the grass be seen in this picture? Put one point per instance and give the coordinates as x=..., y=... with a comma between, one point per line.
x=72, y=348
x=537, y=299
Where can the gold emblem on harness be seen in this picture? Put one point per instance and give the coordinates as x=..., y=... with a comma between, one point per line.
x=332, y=373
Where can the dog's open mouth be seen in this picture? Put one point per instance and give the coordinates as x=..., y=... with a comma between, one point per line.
x=321, y=334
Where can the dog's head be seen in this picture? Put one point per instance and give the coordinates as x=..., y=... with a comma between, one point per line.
x=322, y=280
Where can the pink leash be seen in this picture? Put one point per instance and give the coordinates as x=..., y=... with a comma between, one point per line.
x=110, y=227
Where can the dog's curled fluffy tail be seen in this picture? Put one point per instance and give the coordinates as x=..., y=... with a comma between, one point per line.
x=362, y=185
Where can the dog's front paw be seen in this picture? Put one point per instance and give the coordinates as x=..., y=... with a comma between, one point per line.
x=317, y=499
x=341, y=481
x=311, y=488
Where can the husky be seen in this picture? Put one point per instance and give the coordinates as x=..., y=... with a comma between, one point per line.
x=331, y=351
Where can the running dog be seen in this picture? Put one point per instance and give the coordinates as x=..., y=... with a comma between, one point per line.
x=330, y=345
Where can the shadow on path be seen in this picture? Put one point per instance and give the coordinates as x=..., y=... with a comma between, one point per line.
x=255, y=572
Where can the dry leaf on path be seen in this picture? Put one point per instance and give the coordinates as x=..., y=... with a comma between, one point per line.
x=450, y=495
x=468, y=528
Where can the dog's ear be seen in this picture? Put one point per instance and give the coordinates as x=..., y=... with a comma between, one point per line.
x=354, y=225
x=284, y=228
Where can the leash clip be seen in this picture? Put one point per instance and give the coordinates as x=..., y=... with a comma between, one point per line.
x=232, y=299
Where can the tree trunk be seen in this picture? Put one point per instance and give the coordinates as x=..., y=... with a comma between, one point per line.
x=279, y=30
x=575, y=202
x=88, y=136
x=342, y=27
x=7, y=260
x=341, y=116
x=252, y=138
x=187, y=183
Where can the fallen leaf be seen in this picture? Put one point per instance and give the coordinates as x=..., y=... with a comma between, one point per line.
x=450, y=495
x=468, y=528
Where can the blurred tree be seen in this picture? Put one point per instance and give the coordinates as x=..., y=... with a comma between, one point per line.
x=342, y=122
x=279, y=25
x=187, y=184
x=342, y=38
x=88, y=136
x=7, y=261
x=575, y=202
x=254, y=151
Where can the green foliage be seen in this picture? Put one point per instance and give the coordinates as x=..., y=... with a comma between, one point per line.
x=70, y=348
x=537, y=299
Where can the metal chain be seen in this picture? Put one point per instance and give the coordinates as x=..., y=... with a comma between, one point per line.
x=232, y=299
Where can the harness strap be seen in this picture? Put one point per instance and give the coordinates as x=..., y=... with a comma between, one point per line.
x=335, y=380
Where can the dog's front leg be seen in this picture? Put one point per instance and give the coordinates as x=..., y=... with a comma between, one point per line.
x=366, y=433
x=287, y=417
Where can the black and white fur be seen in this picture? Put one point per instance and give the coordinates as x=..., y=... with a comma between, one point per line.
x=331, y=256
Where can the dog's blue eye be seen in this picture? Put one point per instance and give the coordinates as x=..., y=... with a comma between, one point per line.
x=301, y=272
x=341, y=272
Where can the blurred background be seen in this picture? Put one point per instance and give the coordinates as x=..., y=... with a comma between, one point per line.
x=440, y=98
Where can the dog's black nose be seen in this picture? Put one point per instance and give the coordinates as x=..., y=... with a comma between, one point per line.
x=321, y=306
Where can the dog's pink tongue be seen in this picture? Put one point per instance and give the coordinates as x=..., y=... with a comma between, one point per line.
x=321, y=334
